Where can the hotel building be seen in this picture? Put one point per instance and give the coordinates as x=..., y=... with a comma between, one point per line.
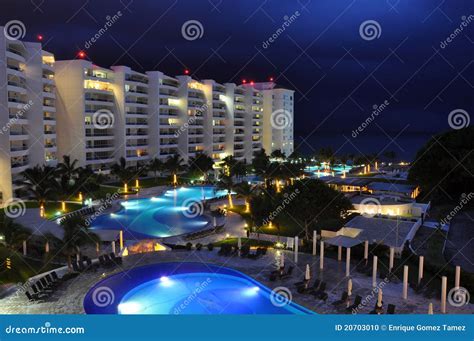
x=27, y=110
x=97, y=115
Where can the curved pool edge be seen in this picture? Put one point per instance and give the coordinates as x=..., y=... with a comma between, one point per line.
x=112, y=284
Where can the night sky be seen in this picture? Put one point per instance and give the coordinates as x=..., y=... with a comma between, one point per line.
x=338, y=76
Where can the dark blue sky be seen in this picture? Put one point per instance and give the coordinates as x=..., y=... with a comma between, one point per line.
x=338, y=76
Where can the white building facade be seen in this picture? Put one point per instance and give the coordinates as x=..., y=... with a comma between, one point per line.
x=97, y=115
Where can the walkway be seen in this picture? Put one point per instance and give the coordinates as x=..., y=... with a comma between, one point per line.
x=69, y=299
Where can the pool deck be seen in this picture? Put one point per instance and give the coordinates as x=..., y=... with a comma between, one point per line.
x=69, y=298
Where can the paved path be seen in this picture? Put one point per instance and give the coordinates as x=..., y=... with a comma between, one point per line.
x=69, y=299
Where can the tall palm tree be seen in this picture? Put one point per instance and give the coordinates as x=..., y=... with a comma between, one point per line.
x=155, y=165
x=227, y=184
x=122, y=171
x=37, y=183
x=174, y=164
x=76, y=234
x=14, y=233
x=68, y=168
x=245, y=191
x=201, y=164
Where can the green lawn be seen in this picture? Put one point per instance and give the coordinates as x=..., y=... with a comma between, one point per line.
x=21, y=268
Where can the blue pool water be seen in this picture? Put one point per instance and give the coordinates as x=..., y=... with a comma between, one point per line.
x=175, y=212
x=185, y=288
x=337, y=169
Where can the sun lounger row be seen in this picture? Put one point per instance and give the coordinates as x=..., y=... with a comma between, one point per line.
x=44, y=287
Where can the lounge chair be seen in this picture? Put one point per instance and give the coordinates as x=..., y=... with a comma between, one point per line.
x=38, y=290
x=35, y=296
x=391, y=309
x=321, y=292
x=343, y=299
x=310, y=289
x=55, y=276
x=75, y=267
x=357, y=302
x=46, y=284
x=288, y=273
x=115, y=259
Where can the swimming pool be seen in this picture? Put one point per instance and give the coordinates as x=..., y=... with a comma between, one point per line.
x=186, y=288
x=336, y=169
x=175, y=212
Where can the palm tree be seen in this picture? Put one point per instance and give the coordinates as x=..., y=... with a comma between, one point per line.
x=122, y=171
x=37, y=183
x=227, y=184
x=14, y=233
x=201, y=163
x=174, y=164
x=76, y=234
x=68, y=168
x=244, y=190
x=155, y=165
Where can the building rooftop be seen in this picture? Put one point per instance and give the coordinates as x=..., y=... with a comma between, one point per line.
x=391, y=232
x=345, y=181
x=358, y=199
x=391, y=187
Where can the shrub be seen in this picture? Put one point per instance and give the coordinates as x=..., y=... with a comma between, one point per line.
x=198, y=246
x=189, y=246
x=210, y=246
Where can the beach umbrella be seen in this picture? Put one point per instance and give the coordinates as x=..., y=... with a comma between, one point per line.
x=349, y=287
x=430, y=309
x=379, y=299
x=307, y=274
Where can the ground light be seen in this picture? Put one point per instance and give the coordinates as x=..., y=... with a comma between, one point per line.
x=63, y=206
x=137, y=183
x=42, y=211
x=125, y=188
x=80, y=196
x=247, y=207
